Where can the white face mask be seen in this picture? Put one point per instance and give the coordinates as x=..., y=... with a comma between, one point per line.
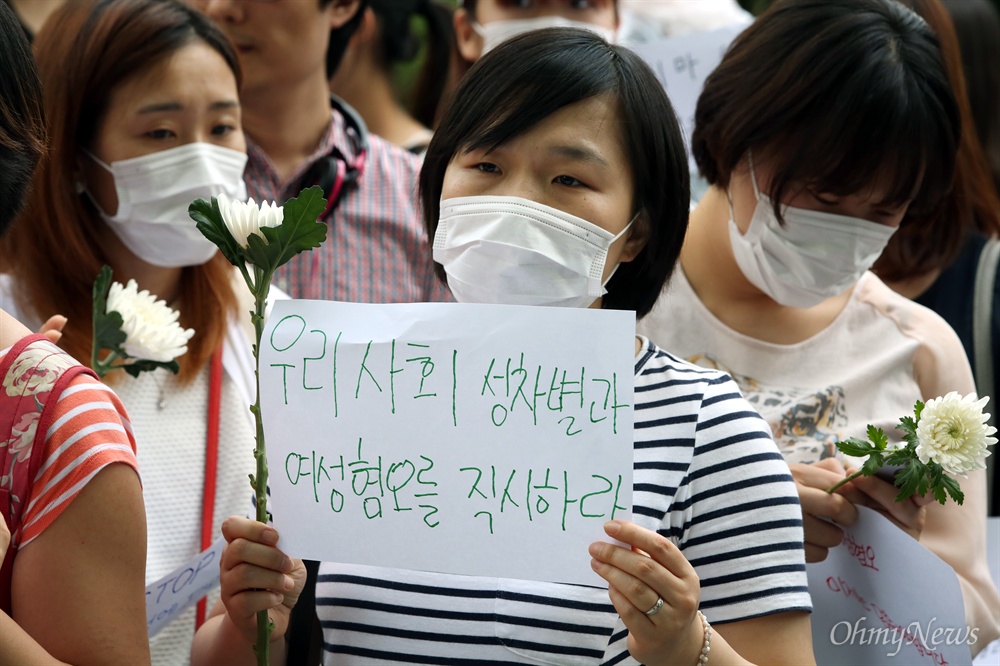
x=813, y=257
x=497, y=32
x=513, y=251
x=154, y=192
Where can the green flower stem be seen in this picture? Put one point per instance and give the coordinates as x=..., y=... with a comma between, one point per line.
x=846, y=479
x=262, y=284
x=102, y=368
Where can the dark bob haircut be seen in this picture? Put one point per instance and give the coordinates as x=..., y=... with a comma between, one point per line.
x=22, y=123
x=840, y=97
x=528, y=78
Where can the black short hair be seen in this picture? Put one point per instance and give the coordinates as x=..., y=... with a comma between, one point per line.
x=837, y=96
x=22, y=123
x=526, y=79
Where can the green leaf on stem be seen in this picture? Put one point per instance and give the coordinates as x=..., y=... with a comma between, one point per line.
x=856, y=448
x=872, y=464
x=299, y=230
x=108, y=333
x=935, y=474
x=901, y=456
x=911, y=480
x=213, y=227
x=953, y=489
x=877, y=437
x=909, y=427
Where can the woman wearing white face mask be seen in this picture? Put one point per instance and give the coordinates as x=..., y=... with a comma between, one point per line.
x=571, y=194
x=826, y=126
x=141, y=98
x=482, y=25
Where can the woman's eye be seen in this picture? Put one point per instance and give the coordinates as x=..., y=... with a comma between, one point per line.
x=222, y=130
x=487, y=167
x=826, y=200
x=568, y=181
x=160, y=134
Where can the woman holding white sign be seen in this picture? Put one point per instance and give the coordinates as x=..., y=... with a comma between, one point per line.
x=827, y=126
x=558, y=177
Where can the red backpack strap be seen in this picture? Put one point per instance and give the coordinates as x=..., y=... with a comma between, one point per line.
x=34, y=374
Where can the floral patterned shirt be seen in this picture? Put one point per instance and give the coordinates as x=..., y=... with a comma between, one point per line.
x=89, y=431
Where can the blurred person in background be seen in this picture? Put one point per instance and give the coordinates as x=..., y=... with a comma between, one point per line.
x=299, y=136
x=385, y=38
x=32, y=14
x=977, y=24
x=482, y=25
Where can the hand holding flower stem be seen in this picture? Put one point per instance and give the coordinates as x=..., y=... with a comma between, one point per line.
x=258, y=240
x=947, y=436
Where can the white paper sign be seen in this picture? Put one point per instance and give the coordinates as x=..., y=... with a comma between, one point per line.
x=181, y=588
x=682, y=64
x=469, y=439
x=882, y=598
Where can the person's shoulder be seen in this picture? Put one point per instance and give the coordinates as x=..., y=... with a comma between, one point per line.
x=387, y=157
x=656, y=362
x=912, y=319
x=939, y=362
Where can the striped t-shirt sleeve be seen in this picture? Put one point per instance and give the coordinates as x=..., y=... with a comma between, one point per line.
x=737, y=519
x=89, y=431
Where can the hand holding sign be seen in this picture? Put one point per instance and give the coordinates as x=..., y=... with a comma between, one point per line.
x=257, y=577
x=655, y=591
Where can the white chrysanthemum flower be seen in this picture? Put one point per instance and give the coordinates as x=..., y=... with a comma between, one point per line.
x=953, y=433
x=243, y=219
x=151, y=328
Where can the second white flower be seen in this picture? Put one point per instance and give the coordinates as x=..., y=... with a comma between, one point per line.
x=150, y=325
x=953, y=433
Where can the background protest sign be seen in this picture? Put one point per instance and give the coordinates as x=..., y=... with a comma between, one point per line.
x=882, y=598
x=469, y=439
x=682, y=64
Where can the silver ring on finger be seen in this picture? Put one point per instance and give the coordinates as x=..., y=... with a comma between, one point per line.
x=656, y=607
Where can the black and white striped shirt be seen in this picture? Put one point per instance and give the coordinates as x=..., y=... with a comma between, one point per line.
x=706, y=475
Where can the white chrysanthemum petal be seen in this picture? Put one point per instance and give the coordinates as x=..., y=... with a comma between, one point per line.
x=150, y=326
x=246, y=219
x=953, y=433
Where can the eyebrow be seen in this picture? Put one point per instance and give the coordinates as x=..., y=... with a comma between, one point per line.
x=579, y=154
x=177, y=106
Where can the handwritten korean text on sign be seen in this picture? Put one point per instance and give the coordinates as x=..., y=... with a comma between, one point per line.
x=881, y=597
x=481, y=440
